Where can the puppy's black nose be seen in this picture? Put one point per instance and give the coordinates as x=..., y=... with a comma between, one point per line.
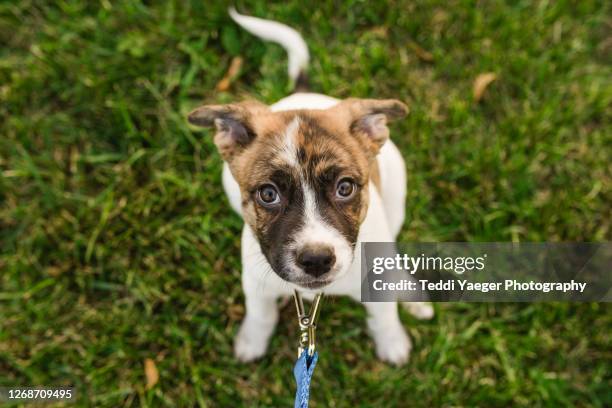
x=316, y=260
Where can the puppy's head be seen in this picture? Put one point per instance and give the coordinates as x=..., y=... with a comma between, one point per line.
x=304, y=177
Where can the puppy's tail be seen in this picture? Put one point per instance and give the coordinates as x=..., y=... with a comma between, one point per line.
x=287, y=37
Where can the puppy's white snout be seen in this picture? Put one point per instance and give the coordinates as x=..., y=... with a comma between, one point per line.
x=315, y=260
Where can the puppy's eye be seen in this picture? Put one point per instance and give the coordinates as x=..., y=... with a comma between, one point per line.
x=345, y=189
x=267, y=195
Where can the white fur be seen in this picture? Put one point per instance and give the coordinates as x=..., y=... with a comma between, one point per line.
x=393, y=185
x=279, y=33
x=301, y=99
x=288, y=152
x=317, y=231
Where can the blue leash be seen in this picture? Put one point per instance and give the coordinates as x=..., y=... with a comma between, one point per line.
x=302, y=372
x=307, y=356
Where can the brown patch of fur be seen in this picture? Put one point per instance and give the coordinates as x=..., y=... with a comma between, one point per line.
x=322, y=147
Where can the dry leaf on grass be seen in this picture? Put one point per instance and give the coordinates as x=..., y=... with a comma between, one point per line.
x=230, y=75
x=380, y=31
x=151, y=373
x=481, y=83
x=421, y=52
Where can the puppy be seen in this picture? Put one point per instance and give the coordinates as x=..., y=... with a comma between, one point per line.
x=313, y=177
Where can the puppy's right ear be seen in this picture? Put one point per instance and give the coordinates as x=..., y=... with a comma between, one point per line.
x=234, y=123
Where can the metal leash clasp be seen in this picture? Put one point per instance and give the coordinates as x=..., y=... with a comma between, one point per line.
x=308, y=322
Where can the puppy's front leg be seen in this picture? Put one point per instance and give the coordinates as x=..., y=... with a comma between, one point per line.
x=260, y=300
x=392, y=343
x=261, y=316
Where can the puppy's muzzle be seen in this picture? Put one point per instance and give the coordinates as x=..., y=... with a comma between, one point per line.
x=315, y=260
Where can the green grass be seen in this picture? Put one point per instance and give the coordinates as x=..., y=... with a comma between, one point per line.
x=117, y=243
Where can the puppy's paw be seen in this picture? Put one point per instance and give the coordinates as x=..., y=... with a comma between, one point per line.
x=249, y=345
x=393, y=346
x=420, y=310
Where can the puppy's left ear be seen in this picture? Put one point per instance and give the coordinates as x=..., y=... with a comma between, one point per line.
x=368, y=119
